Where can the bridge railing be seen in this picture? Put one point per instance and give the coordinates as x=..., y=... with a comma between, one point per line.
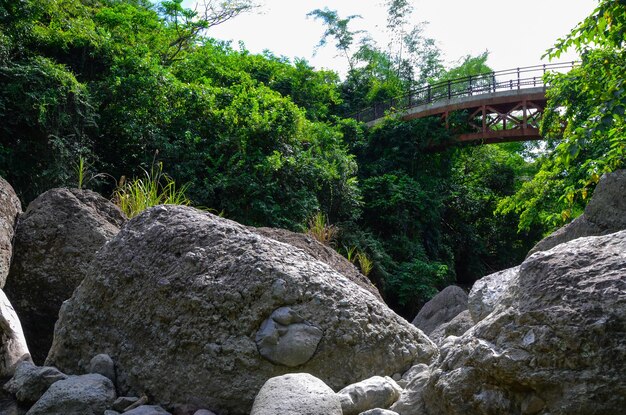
x=510, y=79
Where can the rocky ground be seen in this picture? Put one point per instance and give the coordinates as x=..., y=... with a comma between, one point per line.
x=178, y=311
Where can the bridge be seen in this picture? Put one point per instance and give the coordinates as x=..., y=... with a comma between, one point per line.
x=500, y=106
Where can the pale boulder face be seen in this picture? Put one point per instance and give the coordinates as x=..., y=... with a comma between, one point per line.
x=296, y=394
x=557, y=345
x=489, y=291
x=13, y=348
x=55, y=242
x=196, y=309
x=10, y=208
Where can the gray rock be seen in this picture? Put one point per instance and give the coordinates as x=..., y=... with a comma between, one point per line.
x=123, y=402
x=415, y=371
x=286, y=339
x=188, y=291
x=441, y=308
x=147, y=410
x=489, y=291
x=13, y=348
x=30, y=382
x=558, y=346
x=455, y=327
x=88, y=394
x=10, y=208
x=203, y=412
x=103, y=364
x=320, y=252
x=605, y=214
x=110, y=412
x=296, y=394
x=55, y=241
x=378, y=411
x=375, y=392
x=411, y=401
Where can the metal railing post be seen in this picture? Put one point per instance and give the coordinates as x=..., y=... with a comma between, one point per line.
x=518, y=81
x=449, y=90
x=493, y=80
x=470, y=84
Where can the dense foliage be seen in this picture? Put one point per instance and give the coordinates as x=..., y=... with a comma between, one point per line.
x=115, y=82
x=127, y=86
x=590, y=101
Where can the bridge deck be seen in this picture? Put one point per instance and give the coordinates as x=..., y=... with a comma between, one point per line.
x=501, y=106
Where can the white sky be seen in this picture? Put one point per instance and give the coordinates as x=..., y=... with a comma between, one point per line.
x=516, y=32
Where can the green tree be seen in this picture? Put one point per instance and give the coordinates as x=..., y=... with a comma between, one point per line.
x=337, y=29
x=590, y=100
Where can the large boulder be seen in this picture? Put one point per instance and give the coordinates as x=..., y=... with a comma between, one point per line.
x=605, y=214
x=557, y=345
x=13, y=348
x=296, y=394
x=442, y=308
x=320, y=252
x=10, y=208
x=55, y=242
x=197, y=309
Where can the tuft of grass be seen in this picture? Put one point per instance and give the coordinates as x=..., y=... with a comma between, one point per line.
x=350, y=253
x=365, y=263
x=155, y=188
x=320, y=229
x=84, y=174
x=81, y=171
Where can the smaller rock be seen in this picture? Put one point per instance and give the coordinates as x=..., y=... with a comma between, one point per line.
x=455, y=327
x=411, y=374
x=103, y=364
x=110, y=412
x=441, y=308
x=203, y=412
x=296, y=394
x=411, y=401
x=124, y=402
x=379, y=411
x=30, y=382
x=147, y=410
x=85, y=395
x=286, y=339
x=375, y=392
